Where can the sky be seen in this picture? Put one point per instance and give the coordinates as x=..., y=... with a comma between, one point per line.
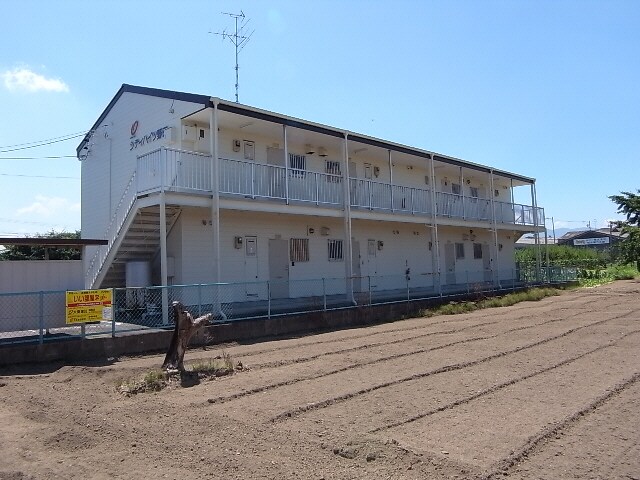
x=545, y=89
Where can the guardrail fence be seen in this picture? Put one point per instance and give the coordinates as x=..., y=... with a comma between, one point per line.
x=40, y=316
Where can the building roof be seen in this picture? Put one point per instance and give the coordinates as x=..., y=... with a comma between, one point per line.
x=52, y=242
x=600, y=232
x=253, y=112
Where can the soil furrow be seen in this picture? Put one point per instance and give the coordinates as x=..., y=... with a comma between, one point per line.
x=535, y=440
x=448, y=368
x=495, y=388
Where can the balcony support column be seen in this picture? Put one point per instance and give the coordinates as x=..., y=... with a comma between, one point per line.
x=390, y=179
x=435, y=243
x=286, y=163
x=348, y=241
x=494, y=226
x=534, y=202
x=163, y=258
x=462, y=193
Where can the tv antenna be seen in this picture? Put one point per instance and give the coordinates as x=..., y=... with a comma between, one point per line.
x=239, y=39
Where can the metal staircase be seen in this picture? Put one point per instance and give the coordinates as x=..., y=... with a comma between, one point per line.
x=140, y=242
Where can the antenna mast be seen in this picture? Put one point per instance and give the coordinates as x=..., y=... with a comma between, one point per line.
x=238, y=39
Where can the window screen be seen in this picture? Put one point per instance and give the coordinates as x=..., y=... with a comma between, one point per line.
x=335, y=250
x=299, y=249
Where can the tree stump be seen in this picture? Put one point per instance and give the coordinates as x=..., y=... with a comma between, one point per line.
x=185, y=327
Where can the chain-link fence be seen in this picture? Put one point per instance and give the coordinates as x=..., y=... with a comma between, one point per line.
x=40, y=316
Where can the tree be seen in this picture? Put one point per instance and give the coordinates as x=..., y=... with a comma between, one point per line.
x=629, y=205
x=39, y=252
x=185, y=327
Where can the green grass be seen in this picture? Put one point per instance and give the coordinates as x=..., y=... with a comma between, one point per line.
x=454, y=308
x=593, y=278
x=156, y=380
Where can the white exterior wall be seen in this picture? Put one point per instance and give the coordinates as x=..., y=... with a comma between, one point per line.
x=40, y=275
x=111, y=161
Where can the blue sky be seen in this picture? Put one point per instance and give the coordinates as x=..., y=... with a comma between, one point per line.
x=547, y=89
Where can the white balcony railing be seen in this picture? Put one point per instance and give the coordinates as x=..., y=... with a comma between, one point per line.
x=190, y=172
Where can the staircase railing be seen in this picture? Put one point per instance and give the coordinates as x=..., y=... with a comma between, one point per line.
x=125, y=204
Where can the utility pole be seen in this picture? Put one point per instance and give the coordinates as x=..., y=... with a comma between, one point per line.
x=238, y=39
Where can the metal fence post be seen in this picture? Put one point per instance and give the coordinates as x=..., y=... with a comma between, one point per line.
x=268, y=299
x=41, y=317
x=408, y=294
x=113, y=313
x=369, y=280
x=467, y=273
x=199, y=299
x=324, y=294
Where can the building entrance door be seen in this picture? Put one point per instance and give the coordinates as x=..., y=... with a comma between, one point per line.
x=486, y=262
x=356, y=269
x=279, y=267
x=450, y=263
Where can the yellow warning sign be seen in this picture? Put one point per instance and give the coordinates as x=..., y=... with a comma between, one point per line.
x=88, y=306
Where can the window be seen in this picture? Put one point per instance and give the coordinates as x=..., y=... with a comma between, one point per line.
x=477, y=250
x=459, y=251
x=455, y=188
x=371, y=247
x=332, y=168
x=474, y=192
x=299, y=249
x=335, y=250
x=298, y=165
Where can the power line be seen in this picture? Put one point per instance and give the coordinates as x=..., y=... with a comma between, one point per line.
x=38, y=158
x=36, y=176
x=41, y=143
x=45, y=140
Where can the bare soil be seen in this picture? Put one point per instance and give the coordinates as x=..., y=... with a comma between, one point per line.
x=542, y=390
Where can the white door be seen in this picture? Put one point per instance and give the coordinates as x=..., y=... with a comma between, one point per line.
x=251, y=265
x=279, y=267
x=450, y=263
x=356, y=266
x=486, y=262
x=274, y=183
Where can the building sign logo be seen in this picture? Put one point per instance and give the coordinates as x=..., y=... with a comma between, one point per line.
x=150, y=137
x=88, y=306
x=591, y=241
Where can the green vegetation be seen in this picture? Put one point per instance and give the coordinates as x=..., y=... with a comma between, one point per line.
x=530, y=295
x=566, y=255
x=594, y=277
x=628, y=250
x=40, y=252
x=156, y=380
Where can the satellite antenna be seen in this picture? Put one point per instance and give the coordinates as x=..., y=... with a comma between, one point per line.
x=239, y=39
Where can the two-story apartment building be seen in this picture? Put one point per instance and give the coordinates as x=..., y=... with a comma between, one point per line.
x=195, y=189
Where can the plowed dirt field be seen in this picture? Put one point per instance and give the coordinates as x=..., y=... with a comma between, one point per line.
x=542, y=390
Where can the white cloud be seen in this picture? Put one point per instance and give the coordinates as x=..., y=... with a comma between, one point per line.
x=49, y=207
x=23, y=79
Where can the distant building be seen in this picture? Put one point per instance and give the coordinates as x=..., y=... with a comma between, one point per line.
x=600, y=239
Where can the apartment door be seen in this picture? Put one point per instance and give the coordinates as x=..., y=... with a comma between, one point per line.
x=273, y=184
x=279, y=267
x=450, y=263
x=356, y=268
x=251, y=265
x=486, y=262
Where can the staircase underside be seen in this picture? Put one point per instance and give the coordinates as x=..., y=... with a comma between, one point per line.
x=141, y=242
